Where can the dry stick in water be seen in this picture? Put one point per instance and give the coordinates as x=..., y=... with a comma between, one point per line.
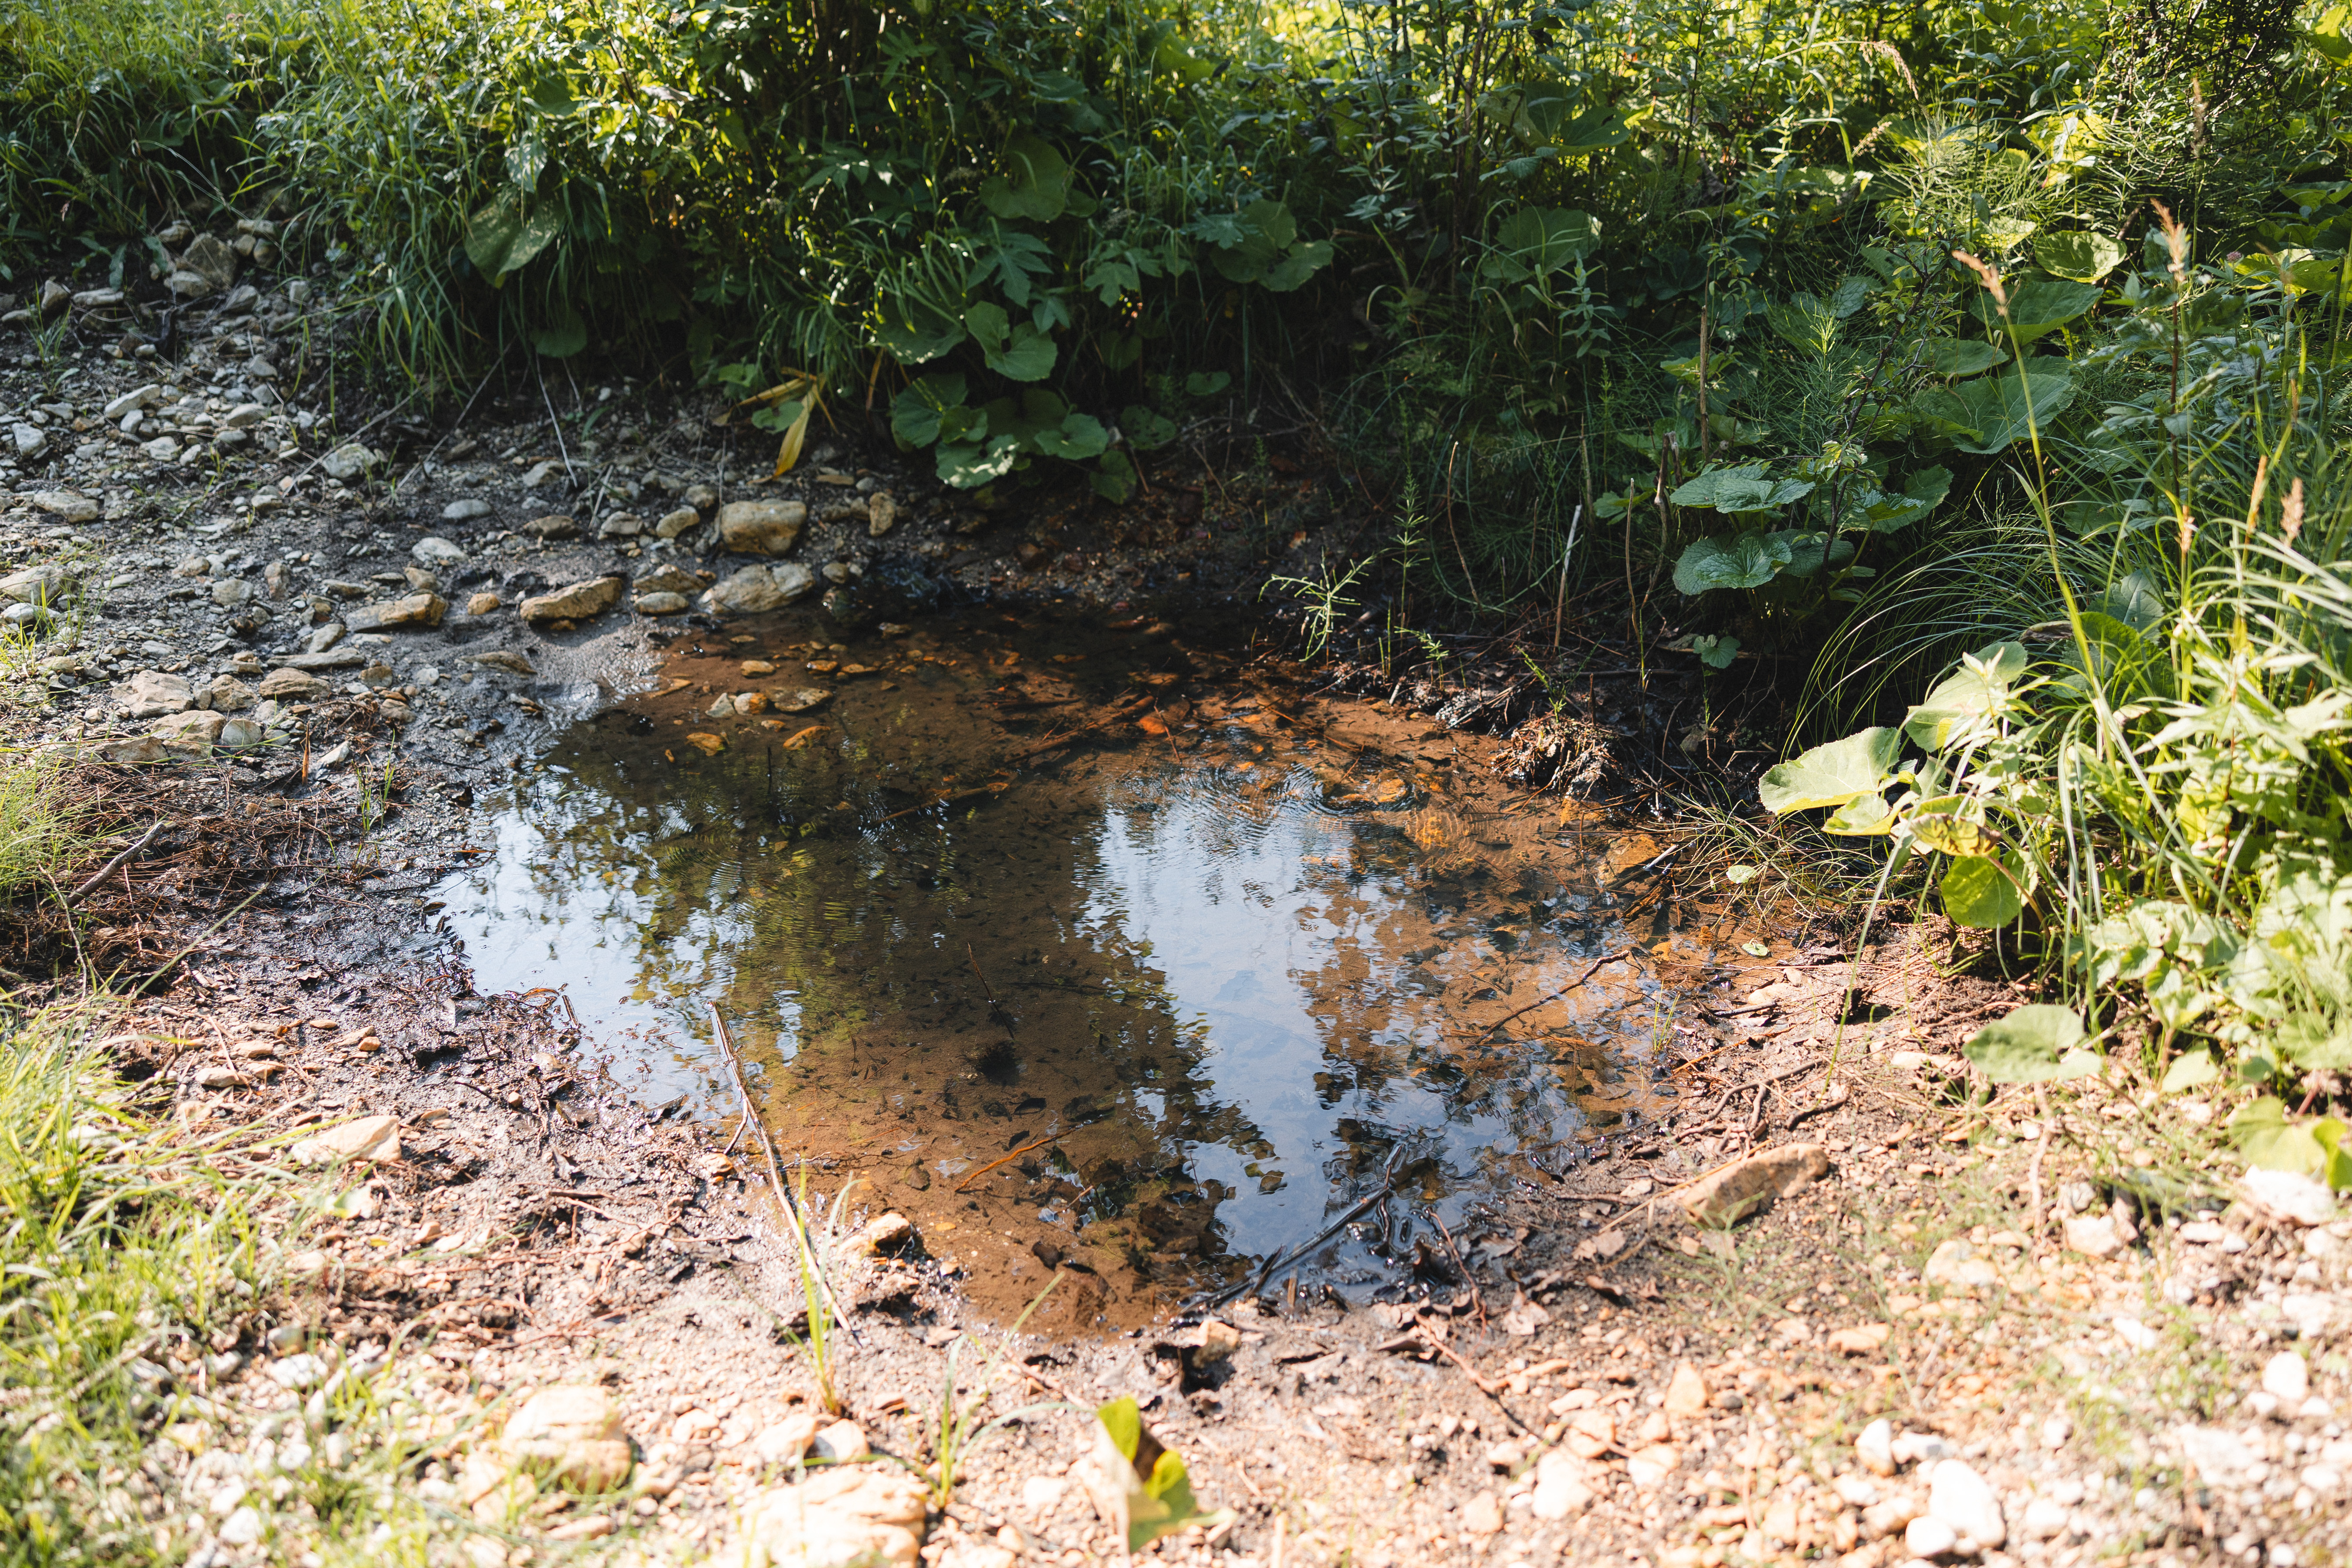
x=1591, y=970
x=775, y=1172
x=1008, y=1159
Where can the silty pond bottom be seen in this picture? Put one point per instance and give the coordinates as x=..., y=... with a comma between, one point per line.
x=1210, y=958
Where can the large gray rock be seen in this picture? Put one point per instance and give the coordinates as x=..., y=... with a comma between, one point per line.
x=576, y=602
x=434, y=550
x=34, y=585
x=206, y=267
x=137, y=398
x=411, y=611
x=760, y=527
x=758, y=588
x=66, y=506
x=30, y=441
x=150, y=692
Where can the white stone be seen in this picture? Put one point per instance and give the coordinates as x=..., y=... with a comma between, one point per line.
x=242, y=1527
x=348, y=461
x=31, y=441
x=1961, y=1499
x=842, y=1443
x=2219, y=1457
x=231, y=592
x=839, y=1516
x=2288, y=1196
x=786, y=1441
x=1927, y=1536
x=162, y=450
x=192, y=731
x=1876, y=1447
x=2045, y=1519
x=137, y=398
x=1041, y=1494
x=464, y=510
x=2136, y=1334
x=68, y=506
x=2288, y=1377
x=434, y=550
x=1563, y=1486
x=541, y=473
x=2093, y=1236
x=297, y=1372
x=244, y=416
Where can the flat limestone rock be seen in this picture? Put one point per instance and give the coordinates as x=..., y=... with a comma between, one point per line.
x=760, y=527
x=369, y=1138
x=150, y=694
x=196, y=731
x=758, y=588
x=840, y=1516
x=299, y=685
x=572, y=1435
x=575, y=602
x=412, y=611
x=66, y=506
x=1723, y=1198
x=326, y=658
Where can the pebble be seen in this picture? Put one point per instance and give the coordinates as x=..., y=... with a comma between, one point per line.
x=671, y=524
x=464, y=510
x=2093, y=1236
x=434, y=550
x=2287, y=1377
x=68, y=506
x=1961, y=1499
x=348, y=461
x=1876, y=1447
x=758, y=588
x=368, y=1138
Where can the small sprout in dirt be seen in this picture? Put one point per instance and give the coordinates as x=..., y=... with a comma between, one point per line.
x=957, y=1430
x=817, y=1347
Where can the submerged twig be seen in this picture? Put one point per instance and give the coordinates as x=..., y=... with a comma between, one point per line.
x=1591, y=970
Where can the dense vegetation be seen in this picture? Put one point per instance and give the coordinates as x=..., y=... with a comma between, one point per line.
x=1870, y=335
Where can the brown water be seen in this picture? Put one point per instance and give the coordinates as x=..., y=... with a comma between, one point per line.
x=1235, y=952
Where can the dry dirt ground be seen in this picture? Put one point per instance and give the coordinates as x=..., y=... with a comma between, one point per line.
x=1985, y=1332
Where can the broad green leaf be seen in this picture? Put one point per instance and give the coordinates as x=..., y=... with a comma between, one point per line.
x=1716, y=652
x=2037, y=1044
x=1923, y=492
x=1114, y=477
x=1260, y=243
x=1982, y=893
x=915, y=412
x=968, y=465
x=1745, y=488
x=1864, y=816
x=1963, y=356
x=1016, y=351
x=1810, y=550
x=2314, y=1041
x=2270, y=1140
x=2191, y=1070
x=1145, y=430
x=564, y=334
x=914, y=330
x=1946, y=825
x=1078, y=438
x=1535, y=242
x=1207, y=382
x=1138, y=1485
x=1036, y=184
x=2037, y=306
x=1748, y=561
x=1831, y=775
x=1975, y=689
x=1987, y=414
x=502, y=237
x=2082, y=257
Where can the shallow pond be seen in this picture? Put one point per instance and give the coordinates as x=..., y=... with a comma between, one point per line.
x=1208, y=959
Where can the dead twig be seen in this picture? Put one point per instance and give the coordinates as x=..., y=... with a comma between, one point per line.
x=1591, y=970
x=992, y=1165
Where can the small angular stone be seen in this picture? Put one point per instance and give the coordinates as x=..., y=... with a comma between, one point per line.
x=151, y=693
x=369, y=1138
x=194, y=730
x=575, y=601
x=413, y=611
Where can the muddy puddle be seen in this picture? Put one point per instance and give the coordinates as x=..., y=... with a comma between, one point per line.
x=1074, y=944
